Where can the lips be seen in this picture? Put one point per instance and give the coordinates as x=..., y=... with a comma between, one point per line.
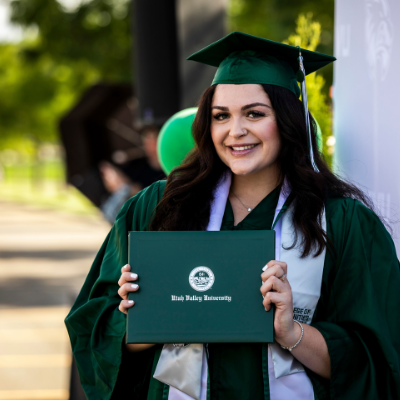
x=238, y=148
x=242, y=149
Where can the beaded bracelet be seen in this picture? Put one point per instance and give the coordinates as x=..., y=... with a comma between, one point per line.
x=297, y=343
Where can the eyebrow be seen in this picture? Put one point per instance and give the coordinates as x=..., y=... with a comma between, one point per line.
x=254, y=105
x=247, y=106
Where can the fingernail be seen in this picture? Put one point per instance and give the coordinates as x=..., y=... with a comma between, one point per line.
x=134, y=276
x=266, y=309
x=125, y=266
x=134, y=286
x=265, y=268
x=130, y=301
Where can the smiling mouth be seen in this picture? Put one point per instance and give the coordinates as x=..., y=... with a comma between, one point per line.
x=241, y=148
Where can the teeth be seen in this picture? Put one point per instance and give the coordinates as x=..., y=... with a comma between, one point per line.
x=244, y=147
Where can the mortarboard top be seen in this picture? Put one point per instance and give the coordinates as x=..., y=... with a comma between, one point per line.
x=243, y=58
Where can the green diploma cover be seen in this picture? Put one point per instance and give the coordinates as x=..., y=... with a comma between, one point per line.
x=199, y=287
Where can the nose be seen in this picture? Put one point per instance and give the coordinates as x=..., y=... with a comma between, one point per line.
x=237, y=130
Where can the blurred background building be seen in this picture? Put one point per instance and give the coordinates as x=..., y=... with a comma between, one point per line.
x=366, y=128
x=86, y=85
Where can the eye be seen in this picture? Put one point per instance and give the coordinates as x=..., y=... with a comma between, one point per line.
x=255, y=114
x=220, y=116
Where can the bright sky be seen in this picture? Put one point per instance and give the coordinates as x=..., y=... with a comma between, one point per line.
x=12, y=33
x=71, y=5
x=8, y=32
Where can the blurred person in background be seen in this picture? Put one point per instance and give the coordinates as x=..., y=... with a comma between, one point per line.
x=137, y=175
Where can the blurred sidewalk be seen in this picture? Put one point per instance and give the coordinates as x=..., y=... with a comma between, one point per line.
x=44, y=258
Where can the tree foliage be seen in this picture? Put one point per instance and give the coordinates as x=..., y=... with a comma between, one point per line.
x=307, y=35
x=65, y=52
x=276, y=20
x=98, y=31
x=36, y=93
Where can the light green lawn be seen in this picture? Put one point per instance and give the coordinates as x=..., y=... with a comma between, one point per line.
x=43, y=185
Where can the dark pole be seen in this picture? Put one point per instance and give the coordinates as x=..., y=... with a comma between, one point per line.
x=200, y=22
x=156, y=60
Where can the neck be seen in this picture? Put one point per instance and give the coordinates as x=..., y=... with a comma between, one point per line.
x=252, y=188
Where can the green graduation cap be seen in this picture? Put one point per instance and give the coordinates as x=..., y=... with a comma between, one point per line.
x=243, y=59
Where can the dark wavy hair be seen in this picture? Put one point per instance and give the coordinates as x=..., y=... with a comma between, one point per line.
x=187, y=199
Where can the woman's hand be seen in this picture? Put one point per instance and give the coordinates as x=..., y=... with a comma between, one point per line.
x=126, y=286
x=312, y=350
x=276, y=289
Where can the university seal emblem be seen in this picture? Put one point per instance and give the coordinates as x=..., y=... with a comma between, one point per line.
x=201, y=279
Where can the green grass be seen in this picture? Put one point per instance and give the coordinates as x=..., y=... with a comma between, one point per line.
x=43, y=185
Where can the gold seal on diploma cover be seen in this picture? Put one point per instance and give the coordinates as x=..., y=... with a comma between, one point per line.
x=201, y=279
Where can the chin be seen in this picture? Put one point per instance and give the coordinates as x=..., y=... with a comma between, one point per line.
x=241, y=170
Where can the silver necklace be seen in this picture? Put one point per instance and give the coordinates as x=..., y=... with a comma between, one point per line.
x=248, y=208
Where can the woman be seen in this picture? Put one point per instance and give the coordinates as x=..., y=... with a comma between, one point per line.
x=250, y=128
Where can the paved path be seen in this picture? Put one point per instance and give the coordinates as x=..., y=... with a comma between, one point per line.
x=44, y=258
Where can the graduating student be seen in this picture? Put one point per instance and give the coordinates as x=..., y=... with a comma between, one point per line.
x=335, y=281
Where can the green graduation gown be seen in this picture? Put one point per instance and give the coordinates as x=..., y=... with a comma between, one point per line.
x=357, y=314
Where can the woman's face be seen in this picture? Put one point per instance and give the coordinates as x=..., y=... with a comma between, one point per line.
x=244, y=129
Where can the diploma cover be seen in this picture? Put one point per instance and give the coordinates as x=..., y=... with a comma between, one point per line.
x=199, y=287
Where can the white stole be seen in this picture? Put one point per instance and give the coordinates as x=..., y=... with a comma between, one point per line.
x=186, y=367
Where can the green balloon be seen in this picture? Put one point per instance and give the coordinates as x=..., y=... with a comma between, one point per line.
x=175, y=139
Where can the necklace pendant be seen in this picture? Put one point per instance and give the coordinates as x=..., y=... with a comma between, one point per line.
x=249, y=209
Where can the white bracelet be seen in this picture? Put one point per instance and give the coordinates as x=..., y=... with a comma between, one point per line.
x=297, y=343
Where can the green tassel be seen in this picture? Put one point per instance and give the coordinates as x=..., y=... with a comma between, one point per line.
x=300, y=76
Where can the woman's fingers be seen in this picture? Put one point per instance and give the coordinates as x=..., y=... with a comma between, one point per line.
x=275, y=284
x=272, y=263
x=275, y=270
x=125, y=268
x=282, y=301
x=127, y=277
x=126, y=288
x=274, y=289
x=125, y=305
